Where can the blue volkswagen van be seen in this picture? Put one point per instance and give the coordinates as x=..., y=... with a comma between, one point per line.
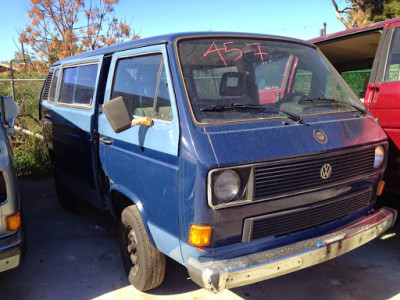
x=243, y=157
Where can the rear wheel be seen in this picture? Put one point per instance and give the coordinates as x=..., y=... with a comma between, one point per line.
x=67, y=200
x=143, y=263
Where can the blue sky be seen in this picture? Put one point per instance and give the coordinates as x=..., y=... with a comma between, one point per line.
x=293, y=18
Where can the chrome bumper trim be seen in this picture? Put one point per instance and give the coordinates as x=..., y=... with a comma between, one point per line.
x=11, y=245
x=218, y=275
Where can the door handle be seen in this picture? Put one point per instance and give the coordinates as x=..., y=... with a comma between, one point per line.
x=371, y=95
x=375, y=95
x=106, y=141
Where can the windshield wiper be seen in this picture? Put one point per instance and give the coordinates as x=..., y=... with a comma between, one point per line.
x=334, y=101
x=233, y=106
x=252, y=107
x=292, y=116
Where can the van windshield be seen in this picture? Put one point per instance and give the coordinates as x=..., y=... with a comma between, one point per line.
x=236, y=79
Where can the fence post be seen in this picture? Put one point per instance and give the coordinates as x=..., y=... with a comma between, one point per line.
x=12, y=81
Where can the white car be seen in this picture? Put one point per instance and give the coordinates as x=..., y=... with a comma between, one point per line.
x=12, y=234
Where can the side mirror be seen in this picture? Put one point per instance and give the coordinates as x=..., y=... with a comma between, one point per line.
x=9, y=112
x=118, y=115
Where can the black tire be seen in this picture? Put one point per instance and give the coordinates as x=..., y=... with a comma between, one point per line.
x=143, y=263
x=67, y=200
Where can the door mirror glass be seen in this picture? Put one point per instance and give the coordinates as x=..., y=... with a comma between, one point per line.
x=9, y=112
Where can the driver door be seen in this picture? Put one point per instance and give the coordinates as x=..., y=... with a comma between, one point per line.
x=142, y=162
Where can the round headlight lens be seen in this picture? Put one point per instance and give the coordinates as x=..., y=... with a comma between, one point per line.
x=379, y=157
x=227, y=185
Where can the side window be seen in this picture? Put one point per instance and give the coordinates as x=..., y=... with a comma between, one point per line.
x=357, y=80
x=53, y=86
x=392, y=72
x=142, y=83
x=302, y=82
x=207, y=81
x=163, y=101
x=269, y=75
x=77, y=85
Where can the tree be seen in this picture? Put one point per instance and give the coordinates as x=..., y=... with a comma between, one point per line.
x=61, y=28
x=390, y=10
x=358, y=12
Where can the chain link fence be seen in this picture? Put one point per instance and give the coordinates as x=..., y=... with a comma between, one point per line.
x=25, y=91
x=30, y=153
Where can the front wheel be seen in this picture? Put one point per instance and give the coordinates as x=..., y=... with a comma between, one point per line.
x=143, y=263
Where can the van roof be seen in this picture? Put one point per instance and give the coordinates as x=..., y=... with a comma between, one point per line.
x=352, y=31
x=168, y=38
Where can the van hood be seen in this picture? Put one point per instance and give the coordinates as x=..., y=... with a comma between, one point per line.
x=258, y=141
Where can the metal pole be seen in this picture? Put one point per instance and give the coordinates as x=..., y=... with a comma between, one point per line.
x=12, y=81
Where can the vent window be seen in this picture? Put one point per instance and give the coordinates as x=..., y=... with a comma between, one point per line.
x=46, y=86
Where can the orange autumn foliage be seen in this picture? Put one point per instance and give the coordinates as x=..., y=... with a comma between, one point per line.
x=61, y=28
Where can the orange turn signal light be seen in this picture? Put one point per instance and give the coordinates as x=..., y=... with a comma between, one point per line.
x=379, y=190
x=200, y=236
x=13, y=222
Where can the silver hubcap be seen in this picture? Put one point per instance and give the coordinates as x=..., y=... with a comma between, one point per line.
x=132, y=250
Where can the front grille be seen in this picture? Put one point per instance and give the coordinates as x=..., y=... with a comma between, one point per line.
x=295, y=175
x=299, y=219
x=46, y=87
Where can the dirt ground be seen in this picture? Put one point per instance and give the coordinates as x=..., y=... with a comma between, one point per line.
x=76, y=256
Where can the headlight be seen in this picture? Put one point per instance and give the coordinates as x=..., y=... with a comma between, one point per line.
x=379, y=157
x=227, y=185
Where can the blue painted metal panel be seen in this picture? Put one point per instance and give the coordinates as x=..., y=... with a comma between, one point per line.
x=166, y=242
x=257, y=141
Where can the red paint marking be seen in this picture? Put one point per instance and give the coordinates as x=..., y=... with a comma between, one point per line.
x=260, y=53
x=216, y=49
x=233, y=49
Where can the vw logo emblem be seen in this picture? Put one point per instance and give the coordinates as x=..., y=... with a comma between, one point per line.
x=326, y=171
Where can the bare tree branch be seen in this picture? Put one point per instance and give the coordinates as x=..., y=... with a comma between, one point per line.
x=339, y=15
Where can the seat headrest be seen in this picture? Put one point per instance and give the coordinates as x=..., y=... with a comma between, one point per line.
x=231, y=84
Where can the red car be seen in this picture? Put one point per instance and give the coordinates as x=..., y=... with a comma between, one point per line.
x=373, y=52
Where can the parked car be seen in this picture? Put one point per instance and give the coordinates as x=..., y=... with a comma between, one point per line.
x=177, y=138
x=12, y=232
x=374, y=52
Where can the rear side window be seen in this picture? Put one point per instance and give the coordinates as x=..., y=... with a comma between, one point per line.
x=53, y=86
x=142, y=83
x=393, y=66
x=77, y=85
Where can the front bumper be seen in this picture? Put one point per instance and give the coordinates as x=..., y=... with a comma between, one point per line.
x=216, y=276
x=10, y=251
